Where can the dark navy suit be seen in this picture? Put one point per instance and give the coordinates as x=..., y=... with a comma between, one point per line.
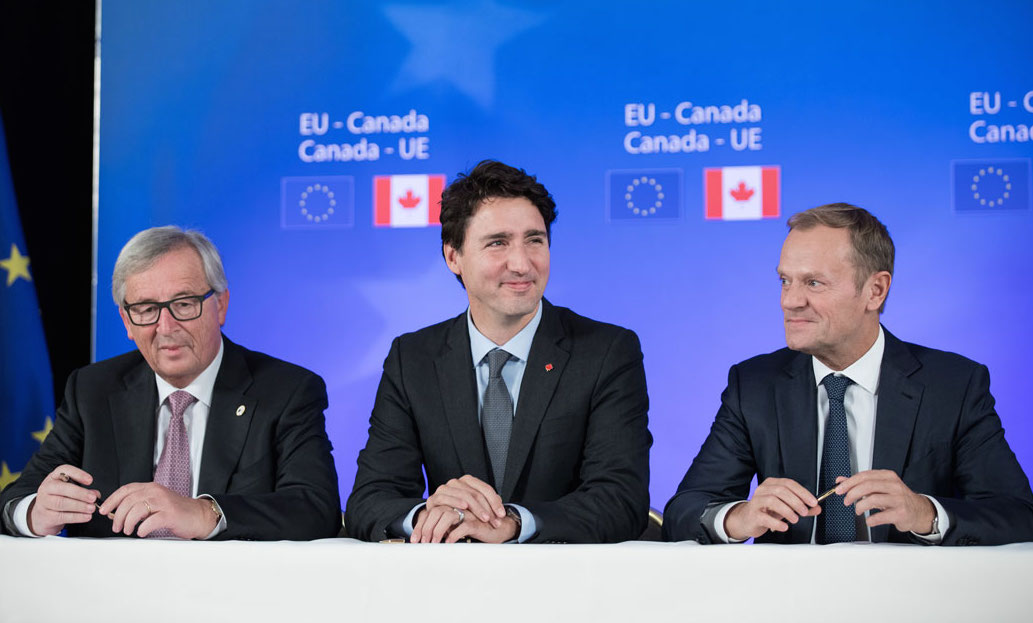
x=935, y=426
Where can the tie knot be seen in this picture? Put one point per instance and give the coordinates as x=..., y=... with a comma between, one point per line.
x=179, y=401
x=836, y=386
x=496, y=359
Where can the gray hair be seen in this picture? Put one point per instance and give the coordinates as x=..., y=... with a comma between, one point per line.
x=146, y=247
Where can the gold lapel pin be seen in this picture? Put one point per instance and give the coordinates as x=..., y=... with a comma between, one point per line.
x=240, y=410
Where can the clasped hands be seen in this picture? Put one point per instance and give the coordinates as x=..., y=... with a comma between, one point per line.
x=482, y=517
x=778, y=502
x=64, y=498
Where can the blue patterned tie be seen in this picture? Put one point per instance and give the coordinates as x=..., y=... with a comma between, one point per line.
x=836, y=523
x=497, y=415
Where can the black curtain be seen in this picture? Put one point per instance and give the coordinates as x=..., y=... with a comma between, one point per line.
x=46, y=102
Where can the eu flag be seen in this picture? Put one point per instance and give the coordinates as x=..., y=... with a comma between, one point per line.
x=26, y=390
x=326, y=202
x=643, y=195
x=985, y=185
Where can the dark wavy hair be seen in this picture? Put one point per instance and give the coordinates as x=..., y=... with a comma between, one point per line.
x=488, y=180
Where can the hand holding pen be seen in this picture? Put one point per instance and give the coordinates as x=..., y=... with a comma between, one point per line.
x=776, y=503
x=62, y=498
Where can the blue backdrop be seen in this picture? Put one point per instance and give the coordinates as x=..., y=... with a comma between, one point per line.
x=246, y=118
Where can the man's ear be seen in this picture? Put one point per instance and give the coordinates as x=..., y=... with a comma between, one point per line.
x=125, y=321
x=878, y=288
x=453, y=257
x=224, y=300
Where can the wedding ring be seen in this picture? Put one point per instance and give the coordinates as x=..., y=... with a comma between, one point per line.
x=461, y=514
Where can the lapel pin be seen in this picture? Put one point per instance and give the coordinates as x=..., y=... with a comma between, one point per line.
x=240, y=410
x=548, y=367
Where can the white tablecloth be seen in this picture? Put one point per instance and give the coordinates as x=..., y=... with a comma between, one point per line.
x=105, y=580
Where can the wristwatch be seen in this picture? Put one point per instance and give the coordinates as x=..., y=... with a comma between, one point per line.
x=515, y=516
x=215, y=509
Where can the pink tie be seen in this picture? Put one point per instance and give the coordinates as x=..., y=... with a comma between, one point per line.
x=173, y=471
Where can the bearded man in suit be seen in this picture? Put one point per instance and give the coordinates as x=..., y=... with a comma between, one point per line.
x=529, y=421
x=190, y=436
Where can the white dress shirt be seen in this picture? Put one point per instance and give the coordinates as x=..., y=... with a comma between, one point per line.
x=861, y=403
x=195, y=419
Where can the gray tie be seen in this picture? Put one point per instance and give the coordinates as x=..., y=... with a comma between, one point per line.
x=497, y=415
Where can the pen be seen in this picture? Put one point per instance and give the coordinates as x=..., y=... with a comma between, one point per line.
x=826, y=494
x=63, y=476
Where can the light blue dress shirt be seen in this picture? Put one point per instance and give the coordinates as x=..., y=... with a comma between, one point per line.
x=519, y=347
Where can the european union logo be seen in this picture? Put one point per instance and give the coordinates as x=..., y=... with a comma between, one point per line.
x=982, y=185
x=643, y=195
x=326, y=202
x=26, y=387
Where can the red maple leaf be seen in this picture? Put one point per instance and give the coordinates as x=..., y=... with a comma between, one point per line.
x=411, y=201
x=742, y=193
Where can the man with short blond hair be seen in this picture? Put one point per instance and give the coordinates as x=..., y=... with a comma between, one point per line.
x=852, y=434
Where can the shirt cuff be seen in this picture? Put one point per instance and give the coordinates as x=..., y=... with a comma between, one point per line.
x=718, y=529
x=407, y=523
x=943, y=523
x=219, y=527
x=528, y=527
x=20, y=516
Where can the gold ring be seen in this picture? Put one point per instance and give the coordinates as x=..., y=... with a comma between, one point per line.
x=150, y=511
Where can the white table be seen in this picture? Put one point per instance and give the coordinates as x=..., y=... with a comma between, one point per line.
x=105, y=580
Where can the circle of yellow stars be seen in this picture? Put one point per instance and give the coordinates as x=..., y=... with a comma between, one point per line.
x=985, y=173
x=644, y=181
x=16, y=265
x=303, y=202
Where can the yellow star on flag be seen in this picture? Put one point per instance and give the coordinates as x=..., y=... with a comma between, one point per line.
x=40, y=435
x=16, y=266
x=6, y=477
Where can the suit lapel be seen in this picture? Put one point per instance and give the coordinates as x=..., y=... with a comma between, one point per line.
x=458, y=387
x=228, y=421
x=898, y=402
x=134, y=420
x=796, y=408
x=536, y=390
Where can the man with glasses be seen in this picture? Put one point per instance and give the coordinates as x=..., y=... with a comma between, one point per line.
x=192, y=436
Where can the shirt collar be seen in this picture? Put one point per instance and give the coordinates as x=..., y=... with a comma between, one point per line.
x=200, y=388
x=863, y=372
x=519, y=346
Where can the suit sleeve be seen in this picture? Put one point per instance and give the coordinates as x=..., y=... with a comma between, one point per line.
x=992, y=504
x=611, y=502
x=64, y=445
x=720, y=473
x=304, y=502
x=389, y=479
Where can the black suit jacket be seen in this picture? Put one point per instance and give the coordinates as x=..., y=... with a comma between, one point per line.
x=579, y=452
x=269, y=467
x=935, y=426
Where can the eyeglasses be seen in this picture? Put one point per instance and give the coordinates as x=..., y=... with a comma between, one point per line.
x=182, y=309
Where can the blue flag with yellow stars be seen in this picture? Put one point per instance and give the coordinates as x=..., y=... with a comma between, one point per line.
x=26, y=388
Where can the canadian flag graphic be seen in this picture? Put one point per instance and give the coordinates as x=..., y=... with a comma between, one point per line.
x=407, y=200
x=741, y=193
